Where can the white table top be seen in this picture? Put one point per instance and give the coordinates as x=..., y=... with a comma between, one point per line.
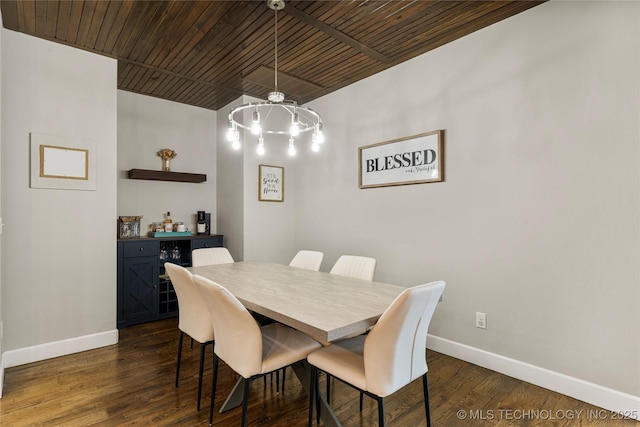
x=327, y=307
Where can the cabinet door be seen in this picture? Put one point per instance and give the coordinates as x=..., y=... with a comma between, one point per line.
x=140, y=289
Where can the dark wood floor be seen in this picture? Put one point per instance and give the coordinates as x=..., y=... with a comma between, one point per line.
x=132, y=383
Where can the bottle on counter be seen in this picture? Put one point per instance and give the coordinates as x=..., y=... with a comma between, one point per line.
x=168, y=223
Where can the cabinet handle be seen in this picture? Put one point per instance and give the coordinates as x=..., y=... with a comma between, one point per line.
x=141, y=249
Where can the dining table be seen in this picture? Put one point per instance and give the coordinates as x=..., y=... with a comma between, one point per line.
x=327, y=307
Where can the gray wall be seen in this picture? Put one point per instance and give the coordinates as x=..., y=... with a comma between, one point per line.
x=58, y=246
x=230, y=197
x=537, y=222
x=146, y=125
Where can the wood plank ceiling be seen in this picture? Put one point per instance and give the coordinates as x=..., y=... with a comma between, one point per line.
x=208, y=53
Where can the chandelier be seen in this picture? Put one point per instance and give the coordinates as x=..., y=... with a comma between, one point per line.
x=267, y=117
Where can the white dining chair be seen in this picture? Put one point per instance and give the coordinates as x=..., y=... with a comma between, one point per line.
x=193, y=316
x=210, y=256
x=358, y=267
x=391, y=356
x=310, y=260
x=249, y=349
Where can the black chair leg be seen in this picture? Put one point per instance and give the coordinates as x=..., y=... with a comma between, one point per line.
x=202, y=348
x=361, y=399
x=277, y=381
x=284, y=375
x=180, y=336
x=245, y=399
x=317, y=391
x=425, y=391
x=380, y=412
x=312, y=391
x=328, y=388
x=213, y=387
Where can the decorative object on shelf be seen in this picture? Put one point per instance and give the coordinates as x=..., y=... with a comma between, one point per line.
x=279, y=110
x=166, y=154
x=129, y=227
x=270, y=183
x=414, y=159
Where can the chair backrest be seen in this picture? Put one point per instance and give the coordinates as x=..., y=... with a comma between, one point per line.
x=359, y=267
x=210, y=256
x=193, y=314
x=238, y=335
x=311, y=260
x=395, y=349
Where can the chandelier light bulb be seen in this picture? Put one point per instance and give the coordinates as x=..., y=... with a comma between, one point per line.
x=235, y=145
x=231, y=132
x=294, y=130
x=318, y=135
x=260, y=149
x=317, y=138
x=315, y=147
x=292, y=147
x=255, y=123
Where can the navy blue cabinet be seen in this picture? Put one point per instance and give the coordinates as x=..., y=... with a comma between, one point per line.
x=145, y=292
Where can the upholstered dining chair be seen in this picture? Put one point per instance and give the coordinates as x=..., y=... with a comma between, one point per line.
x=391, y=356
x=193, y=316
x=246, y=347
x=210, y=256
x=359, y=267
x=221, y=255
x=310, y=260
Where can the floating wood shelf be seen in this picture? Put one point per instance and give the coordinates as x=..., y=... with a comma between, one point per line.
x=166, y=176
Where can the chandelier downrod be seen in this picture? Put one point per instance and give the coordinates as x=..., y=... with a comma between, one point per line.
x=275, y=11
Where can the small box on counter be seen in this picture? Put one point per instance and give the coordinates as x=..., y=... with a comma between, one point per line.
x=129, y=227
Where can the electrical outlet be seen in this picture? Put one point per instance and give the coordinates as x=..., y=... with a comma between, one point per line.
x=481, y=320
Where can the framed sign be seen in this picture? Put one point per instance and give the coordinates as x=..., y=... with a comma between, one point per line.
x=270, y=183
x=414, y=159
x=62, y=163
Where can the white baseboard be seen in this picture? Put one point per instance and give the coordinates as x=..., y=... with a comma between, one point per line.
x=603, y=397
x=50, y=350
x=1, y=373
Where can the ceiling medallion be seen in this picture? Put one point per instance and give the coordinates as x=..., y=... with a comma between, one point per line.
x=267, y=117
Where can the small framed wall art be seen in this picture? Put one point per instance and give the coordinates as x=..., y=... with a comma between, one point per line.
x=270, y=183
x=62, y=163
x=414, y=159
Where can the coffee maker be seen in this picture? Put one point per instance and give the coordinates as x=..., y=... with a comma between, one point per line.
x=203, y=224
